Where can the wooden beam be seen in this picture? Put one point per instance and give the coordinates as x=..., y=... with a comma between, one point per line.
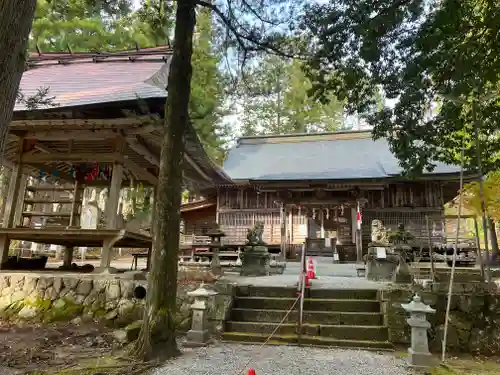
x=88, y=135
x=80, y=135
x=35, y=159
x=115, y=123
x=197, y=168
x=137, y=146
x=140, y=172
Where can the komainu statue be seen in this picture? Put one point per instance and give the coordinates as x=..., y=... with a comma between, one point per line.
x=254, y=235
x=379, y=232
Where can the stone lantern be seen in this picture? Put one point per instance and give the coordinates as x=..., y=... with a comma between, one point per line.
x=418, y=353
x=198, y=335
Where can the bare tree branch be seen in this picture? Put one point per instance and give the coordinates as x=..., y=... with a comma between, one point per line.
x=258, y=45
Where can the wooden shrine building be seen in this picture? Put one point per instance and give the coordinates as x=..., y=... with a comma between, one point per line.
x=306, y=188
x=102, y=127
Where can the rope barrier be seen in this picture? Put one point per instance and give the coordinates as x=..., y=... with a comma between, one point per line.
x=271, y=335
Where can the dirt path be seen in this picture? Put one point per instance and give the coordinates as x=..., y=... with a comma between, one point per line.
x=24, y=349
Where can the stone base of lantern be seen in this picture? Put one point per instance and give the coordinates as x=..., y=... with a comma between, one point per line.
x=420, y=360
x=197, y=338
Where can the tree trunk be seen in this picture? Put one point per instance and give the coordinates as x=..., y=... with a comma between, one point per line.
x=157, y=336
x=16, y=18
x=4, y=186
x=494, y=239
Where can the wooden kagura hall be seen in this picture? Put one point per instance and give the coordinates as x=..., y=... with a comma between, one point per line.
x=103, y=128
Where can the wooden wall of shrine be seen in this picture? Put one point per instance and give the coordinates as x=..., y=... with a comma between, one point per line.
x=197, y=223
x=239, y=208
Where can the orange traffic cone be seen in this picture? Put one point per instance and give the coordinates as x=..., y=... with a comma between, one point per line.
x=251, y=371
x=311, y=274
x=307, y=281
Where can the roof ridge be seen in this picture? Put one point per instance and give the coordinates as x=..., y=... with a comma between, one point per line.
x=305, y=137
x=68, y=56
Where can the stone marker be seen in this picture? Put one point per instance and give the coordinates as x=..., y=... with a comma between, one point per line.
x=418, y=354
x=198, y=335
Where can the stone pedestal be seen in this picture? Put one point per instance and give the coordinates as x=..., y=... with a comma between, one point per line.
x=418, y=354
x=402, y=274
x=198, y=335
x=379, y=268
x=255, y=261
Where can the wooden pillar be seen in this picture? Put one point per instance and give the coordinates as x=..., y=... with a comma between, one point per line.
x=20, y=200
x=12, y=196
x=74, y=221
x=111, y=212
x=322, y=223
x=283, y=230
x=75, y=205
x=114, y=196
x=10, y=207
x=218, y=206
x=359, y=235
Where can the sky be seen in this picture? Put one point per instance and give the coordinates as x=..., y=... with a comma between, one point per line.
x=234, y=119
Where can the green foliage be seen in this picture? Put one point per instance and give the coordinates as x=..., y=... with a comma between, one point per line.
x=491, y=190
x=421, y=54
x=276, y=101
x=80, y=25
x=206, y=105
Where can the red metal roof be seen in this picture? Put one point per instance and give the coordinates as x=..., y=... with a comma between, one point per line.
x=90, y=78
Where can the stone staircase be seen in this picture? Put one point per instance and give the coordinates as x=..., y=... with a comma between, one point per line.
x=339, y=318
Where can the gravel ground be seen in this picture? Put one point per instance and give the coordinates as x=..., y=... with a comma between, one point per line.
x=224, y=359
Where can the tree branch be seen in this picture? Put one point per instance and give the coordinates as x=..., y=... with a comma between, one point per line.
x=241, y=38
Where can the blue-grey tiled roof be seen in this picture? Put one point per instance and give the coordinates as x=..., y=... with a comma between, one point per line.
x=315, y=157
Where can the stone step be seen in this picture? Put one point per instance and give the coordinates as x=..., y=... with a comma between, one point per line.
x=274, y=303
x=284, y=292
x=346, y=294
x=265, y=291
x=338, y=332
x=250, y=338
x=310, y=317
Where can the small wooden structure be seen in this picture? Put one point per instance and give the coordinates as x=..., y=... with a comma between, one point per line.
x=307, y=187
x=198, y=219
x=104, y=128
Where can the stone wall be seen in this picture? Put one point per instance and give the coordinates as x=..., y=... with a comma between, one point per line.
x=45, y=298
x=474, y=325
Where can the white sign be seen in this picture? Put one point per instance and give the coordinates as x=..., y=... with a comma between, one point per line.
x=335, y=256
x=328, y=242
x=381, y=253
x=89, y=217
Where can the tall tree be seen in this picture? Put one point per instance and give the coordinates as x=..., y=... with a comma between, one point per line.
x=15, y=25
x=158, y=329
x=207, y=104
x=491, y=194
x=434, y=60
x=276, y=101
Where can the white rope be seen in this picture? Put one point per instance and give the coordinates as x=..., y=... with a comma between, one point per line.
x=242, y=369
x=454, y=258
